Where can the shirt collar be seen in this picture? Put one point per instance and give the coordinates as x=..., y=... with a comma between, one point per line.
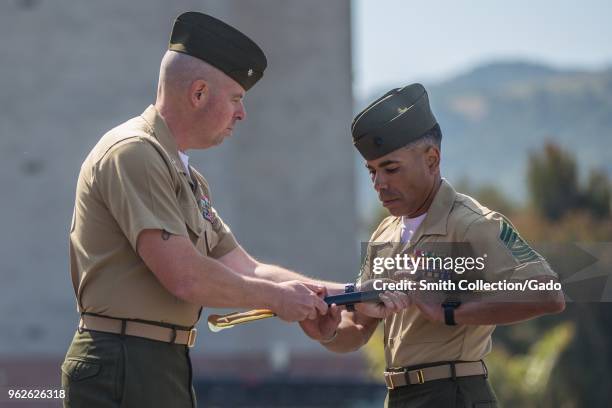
x=162, y=133
x=435, y=223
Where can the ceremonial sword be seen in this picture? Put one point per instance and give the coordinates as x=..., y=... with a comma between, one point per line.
x=217, y=323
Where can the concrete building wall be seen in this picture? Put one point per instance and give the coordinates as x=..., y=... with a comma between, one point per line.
x=70, y=70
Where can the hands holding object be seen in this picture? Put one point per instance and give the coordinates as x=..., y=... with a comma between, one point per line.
x=374, y=303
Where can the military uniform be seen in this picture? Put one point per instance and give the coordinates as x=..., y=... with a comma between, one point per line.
x=131, y=346
x=432, y=364
x=131, y=181
x=413, y=341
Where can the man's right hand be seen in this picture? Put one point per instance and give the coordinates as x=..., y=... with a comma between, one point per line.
x=298, y=301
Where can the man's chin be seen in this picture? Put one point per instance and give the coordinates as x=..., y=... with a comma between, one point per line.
x=223, y=136
x=394, y=206
x=218, y=141
x=398, y=210
x=395, y=211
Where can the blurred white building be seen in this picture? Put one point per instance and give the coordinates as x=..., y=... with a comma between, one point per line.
x=70, y=70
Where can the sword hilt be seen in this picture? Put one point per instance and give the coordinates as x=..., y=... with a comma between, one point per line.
x=219, y=322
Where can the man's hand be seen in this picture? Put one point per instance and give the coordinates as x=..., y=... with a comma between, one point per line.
x=392, y=302
x=430, y=306
x=298, y=301
x=322, y=327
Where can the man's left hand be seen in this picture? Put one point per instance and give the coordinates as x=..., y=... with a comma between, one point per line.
x=392, y=302
x=430, y=307
x=322, y=327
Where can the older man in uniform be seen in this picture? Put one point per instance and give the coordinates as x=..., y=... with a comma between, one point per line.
x=148, y=249
x=434, y=348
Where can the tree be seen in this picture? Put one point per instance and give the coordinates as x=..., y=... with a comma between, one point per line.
x=552, y=178
x=552, y=181
x=597, y=194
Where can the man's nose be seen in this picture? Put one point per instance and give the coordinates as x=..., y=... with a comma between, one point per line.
x=241, y=113
x=379, y=182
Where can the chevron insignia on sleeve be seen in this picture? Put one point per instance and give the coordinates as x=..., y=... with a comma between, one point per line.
x=521, y=251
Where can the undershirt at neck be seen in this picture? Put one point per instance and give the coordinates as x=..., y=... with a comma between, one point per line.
x=409, y=226
x=185, y=160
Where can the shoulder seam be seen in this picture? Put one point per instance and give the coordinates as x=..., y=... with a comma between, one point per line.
x=460, y=202
x=136, y=138
x=479, y=218
x=127, y=140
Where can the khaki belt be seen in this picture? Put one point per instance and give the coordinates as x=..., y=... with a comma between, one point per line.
x=138, y=329
x=439, y=372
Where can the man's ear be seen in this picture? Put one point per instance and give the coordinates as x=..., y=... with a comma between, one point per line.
x=432, y=158
x=199, y=93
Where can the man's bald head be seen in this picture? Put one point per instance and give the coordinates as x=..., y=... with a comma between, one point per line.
x=199, y=102
x=178, y=71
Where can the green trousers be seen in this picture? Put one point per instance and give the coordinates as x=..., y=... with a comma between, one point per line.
x=462, y=392
x=108, y=370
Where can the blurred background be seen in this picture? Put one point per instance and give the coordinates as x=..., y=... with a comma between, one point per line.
x=523, y=94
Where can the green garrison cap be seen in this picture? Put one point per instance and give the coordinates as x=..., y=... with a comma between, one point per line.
x=397, y=118
x=219, y=44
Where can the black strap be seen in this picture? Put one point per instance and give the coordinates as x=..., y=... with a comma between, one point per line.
x=449, y=311
x=449, y=315
x=123, y=327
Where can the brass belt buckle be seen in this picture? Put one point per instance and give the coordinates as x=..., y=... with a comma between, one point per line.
x=420, y=377
x=389, y=381
x=193, y=333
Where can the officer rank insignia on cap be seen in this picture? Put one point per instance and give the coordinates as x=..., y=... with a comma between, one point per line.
x=220, y=45
x=397, y=118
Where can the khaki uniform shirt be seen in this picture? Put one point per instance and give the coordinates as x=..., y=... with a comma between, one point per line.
x=133, y=180
x=411, y=339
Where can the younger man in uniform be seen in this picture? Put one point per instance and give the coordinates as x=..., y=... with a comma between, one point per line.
x=434, y=348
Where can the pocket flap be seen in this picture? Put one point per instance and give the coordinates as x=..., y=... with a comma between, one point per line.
x=79, y=369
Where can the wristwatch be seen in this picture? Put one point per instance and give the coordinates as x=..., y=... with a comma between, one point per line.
x=449, y=306
x=349, y=288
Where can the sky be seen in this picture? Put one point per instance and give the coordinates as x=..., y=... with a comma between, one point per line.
x=397, y=42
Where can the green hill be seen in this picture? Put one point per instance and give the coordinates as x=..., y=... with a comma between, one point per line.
x=493, y=116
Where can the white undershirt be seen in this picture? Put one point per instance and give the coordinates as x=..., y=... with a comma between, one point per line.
x=185, y=160
x=409, y=226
